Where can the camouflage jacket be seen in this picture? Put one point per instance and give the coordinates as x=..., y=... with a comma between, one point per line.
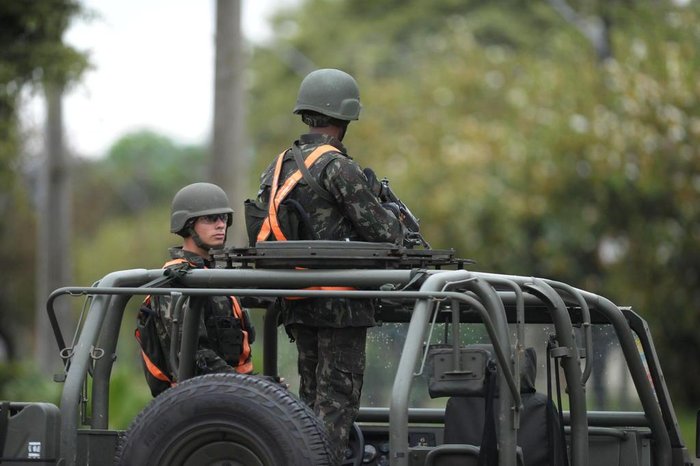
x=225, y=334
x=356, y=214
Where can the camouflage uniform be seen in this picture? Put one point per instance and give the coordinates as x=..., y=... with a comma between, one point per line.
x=223, y=340
x=330, y=333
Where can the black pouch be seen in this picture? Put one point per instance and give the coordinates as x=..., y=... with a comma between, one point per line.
x=226, y=337
x=293, y=220
x=155, y=362
x=255, y=214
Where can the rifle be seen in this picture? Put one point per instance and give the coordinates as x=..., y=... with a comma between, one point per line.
x=391, y=201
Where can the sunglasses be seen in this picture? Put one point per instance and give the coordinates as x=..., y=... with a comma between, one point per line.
x=213, y=218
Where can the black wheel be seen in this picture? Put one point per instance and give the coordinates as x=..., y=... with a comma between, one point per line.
x=356, y=447
x=225, y=420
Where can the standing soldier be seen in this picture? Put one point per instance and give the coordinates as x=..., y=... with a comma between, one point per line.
x=333, y=201
x=201, y=214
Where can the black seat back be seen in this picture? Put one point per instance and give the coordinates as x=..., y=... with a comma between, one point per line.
x=539, y=434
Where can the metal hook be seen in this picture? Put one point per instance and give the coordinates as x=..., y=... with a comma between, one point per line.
x=96, y=353
x=66, y=353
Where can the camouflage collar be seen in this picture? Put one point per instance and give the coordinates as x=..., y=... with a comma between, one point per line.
x=318, y=139
x=194, y=259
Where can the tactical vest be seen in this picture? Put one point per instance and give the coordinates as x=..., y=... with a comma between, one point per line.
x=271, y=224
x=229, y=335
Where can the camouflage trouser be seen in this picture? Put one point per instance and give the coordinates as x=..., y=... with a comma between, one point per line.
x=331, y=365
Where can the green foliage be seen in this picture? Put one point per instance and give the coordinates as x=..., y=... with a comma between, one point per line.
x=687, y=421
x=139, y=241
x=17, y=254
x=128, y=392
x=32, y=42
x=152, y=165
x=142, y=170
x=20, y=382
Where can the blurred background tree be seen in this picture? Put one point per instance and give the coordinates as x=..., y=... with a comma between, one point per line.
x=32, y=55
x=518, y=139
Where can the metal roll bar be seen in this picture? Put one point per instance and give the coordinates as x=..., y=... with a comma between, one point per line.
x=476, y=291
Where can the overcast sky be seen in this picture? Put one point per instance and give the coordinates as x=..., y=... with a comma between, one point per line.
x=154, y=64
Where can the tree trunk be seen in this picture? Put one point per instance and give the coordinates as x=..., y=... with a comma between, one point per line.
x=229, y=154
x=54, y=230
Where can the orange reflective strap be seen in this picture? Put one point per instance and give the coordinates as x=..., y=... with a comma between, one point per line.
x=277, y=200
x=179, y=260
x=153, y=369
x=244, y=365
x=272, y=211
x=246, y=368
x=331, y=288
x=274, y=204
x=287, y=187
x=237, y=311
x=150, y=366
x=328, y=288
x=271, y=223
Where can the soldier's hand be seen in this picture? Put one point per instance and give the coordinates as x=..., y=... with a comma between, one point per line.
x=393, y=208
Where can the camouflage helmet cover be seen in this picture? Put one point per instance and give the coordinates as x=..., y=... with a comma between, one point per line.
x=330, y=92
x=196, y=200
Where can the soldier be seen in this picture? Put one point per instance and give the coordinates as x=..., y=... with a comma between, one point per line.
x=337, y=203
x=201, y=214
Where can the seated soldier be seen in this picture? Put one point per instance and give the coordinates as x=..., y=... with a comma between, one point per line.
x=201, y=214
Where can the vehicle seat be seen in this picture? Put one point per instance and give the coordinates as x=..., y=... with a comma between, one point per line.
x=539, y=435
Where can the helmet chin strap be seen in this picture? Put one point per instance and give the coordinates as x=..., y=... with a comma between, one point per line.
x=343, y=130
x=198, y=241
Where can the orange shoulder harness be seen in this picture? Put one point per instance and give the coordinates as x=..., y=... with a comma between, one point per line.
x=271, y=224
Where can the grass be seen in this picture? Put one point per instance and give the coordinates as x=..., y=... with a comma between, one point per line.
x=687, y=423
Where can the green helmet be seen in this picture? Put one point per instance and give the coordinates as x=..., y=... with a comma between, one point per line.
x=330, y=92
x=196, y=200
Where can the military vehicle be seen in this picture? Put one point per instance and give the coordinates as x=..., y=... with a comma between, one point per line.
x=464, y=368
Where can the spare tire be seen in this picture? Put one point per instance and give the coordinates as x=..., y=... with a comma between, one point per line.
x=219, y=419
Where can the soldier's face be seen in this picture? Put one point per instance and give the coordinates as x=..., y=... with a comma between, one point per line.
x=211, y=230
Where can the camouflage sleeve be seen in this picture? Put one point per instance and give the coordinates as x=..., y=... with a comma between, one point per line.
x=346, y=182
x=265, y=183
x=161, y=307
